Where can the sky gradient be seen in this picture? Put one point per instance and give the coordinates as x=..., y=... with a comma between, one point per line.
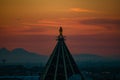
x=90, y=26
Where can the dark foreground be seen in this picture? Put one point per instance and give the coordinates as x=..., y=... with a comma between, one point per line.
x=20, y=72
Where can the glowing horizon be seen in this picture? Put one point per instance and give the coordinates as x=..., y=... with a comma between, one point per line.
x=90, y=26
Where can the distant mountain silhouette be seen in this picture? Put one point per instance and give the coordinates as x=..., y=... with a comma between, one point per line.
x=21, y=56
x=4, y=51
x=19, y=51
x=96, y=61
x=86, y=57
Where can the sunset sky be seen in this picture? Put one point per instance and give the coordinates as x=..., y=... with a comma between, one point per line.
x=90, y=26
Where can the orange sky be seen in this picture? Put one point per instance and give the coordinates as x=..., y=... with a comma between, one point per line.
x=91, y=26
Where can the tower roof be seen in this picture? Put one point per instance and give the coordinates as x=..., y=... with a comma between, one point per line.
x=61, y=65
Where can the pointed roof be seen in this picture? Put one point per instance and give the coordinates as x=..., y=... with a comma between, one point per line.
x=61, y=65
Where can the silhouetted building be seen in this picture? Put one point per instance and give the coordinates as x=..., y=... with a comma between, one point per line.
x=61, y=65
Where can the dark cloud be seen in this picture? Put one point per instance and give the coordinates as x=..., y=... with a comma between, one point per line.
x=107, y=23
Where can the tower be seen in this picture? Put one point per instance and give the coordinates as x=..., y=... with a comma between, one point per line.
x=61, y=65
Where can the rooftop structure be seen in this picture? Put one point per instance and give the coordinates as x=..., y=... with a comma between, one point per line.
x=61, y=65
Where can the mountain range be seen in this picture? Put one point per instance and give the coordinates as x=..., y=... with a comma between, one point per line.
x=21, y=56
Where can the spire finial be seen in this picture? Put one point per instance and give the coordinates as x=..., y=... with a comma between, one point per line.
x=60, y=30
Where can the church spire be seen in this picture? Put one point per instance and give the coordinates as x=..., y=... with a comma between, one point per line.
x=60, y=37
x=60, y=30
x=61, y=65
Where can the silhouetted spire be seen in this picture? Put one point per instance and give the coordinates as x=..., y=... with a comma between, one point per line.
x=60, y=37
x=61, y=65
x=60, y=30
